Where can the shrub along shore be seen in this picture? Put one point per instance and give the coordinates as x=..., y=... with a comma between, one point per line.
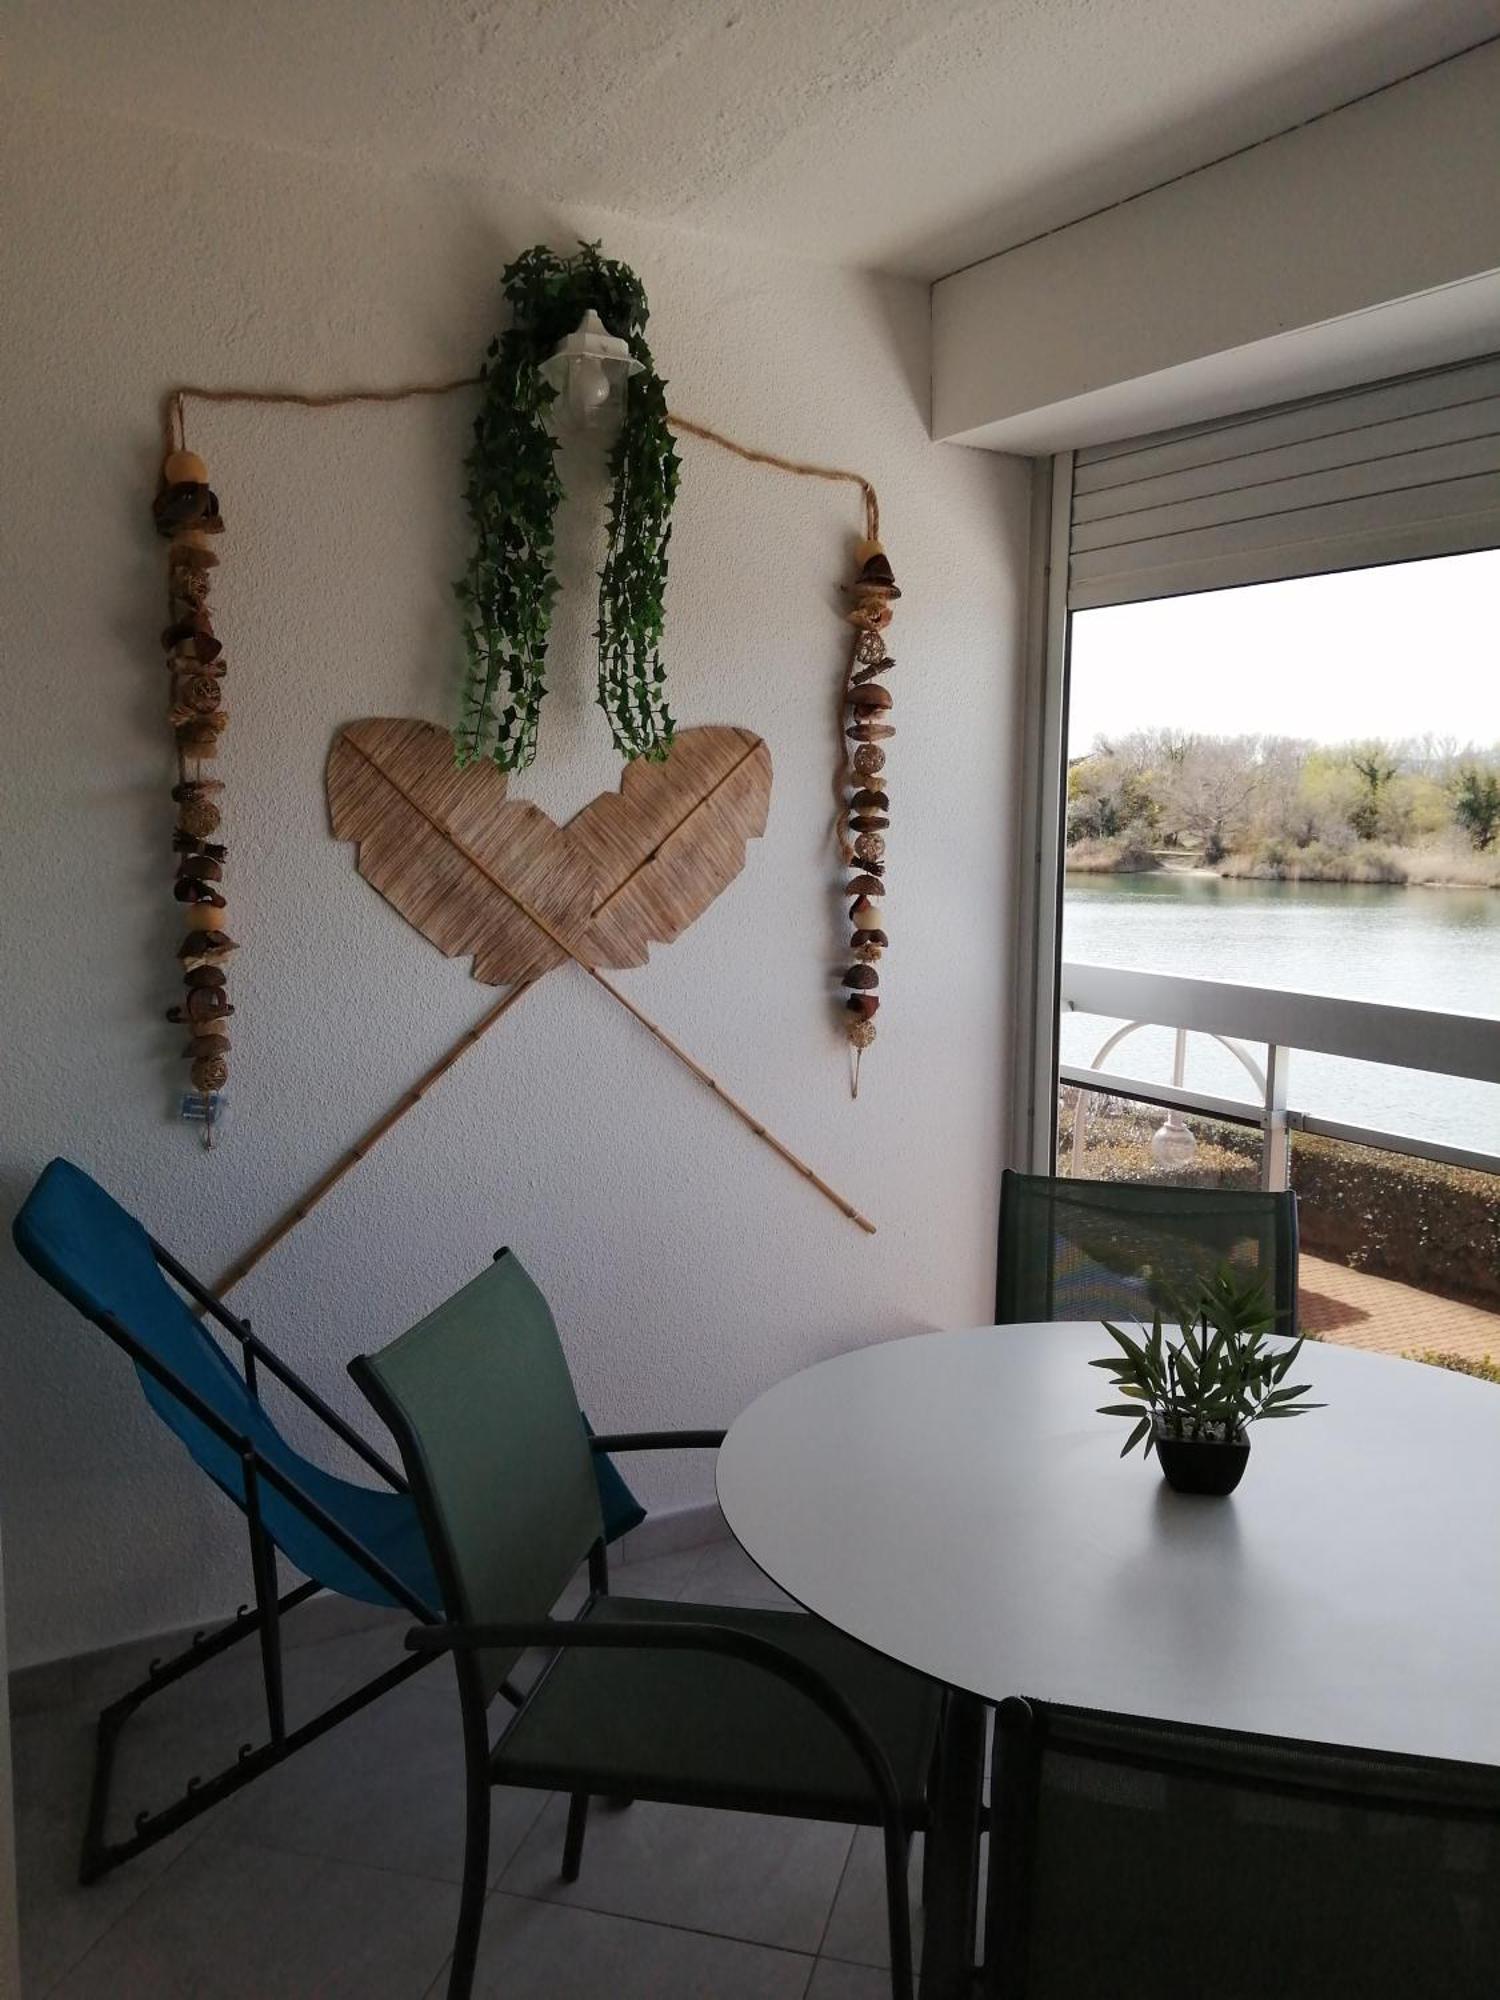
x=1360, y=861
x=1422, y=1222
x=1271, y=808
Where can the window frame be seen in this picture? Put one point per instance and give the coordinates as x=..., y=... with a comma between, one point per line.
x=1050, y=606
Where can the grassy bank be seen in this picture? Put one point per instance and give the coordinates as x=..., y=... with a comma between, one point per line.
x=1110, y=857
x=1436, y=867
x=1366, y=861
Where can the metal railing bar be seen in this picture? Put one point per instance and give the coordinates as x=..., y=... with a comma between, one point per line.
x=1233, y=1111
x=1394, y=1142
x=1421, y=1038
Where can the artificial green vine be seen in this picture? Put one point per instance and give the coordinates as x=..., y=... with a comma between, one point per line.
x=512, y=493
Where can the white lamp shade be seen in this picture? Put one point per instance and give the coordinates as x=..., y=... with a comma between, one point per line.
x=589, y=370
x=1173, y=1144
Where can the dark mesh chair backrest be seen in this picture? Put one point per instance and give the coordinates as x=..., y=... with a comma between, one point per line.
x=1088, y=1250
x=1188, y=1864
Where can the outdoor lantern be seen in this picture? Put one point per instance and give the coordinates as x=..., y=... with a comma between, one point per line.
x=590, y=370
x=1172, y=1143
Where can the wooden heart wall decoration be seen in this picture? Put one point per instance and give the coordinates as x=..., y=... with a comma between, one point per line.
x=477, y=872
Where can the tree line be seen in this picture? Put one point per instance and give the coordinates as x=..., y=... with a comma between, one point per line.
x=1273, y=798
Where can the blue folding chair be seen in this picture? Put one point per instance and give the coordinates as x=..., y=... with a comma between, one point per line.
x=362, y=1542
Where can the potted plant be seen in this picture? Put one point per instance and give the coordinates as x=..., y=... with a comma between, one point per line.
x=1193, y=1400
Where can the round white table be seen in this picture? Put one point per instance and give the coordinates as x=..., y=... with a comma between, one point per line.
x=955, y=1501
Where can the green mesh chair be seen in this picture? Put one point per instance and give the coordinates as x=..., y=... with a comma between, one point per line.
x=755, y=1710
x=1088, y=1250
x=1137, y=1857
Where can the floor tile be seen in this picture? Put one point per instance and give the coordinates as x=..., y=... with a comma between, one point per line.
x=655, y=1576
x=232, y=1922
x=832, y=1980
x=53, y=1757
x=196, y=1726
x=385, y=1790
x=192, y=1727
x=859, y=1929
x=724, y=1574
x=539, y=1951
x=742, y=1875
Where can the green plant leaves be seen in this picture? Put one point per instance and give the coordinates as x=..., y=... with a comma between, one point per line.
x=1218, y=1377
x=1141, y=1431
x=512, y=494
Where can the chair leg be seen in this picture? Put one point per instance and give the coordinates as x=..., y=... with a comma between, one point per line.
x=263, y=1567
x=950, y=1863
x=578, y=1825
x=934, y=1791
x=476, y=1864
x=898, y=1909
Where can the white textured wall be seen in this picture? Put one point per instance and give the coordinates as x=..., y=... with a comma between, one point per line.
x=688, y=1267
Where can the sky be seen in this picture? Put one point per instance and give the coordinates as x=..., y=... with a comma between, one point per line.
x=1406, y=651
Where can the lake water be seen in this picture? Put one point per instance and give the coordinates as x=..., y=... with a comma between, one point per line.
x=1437, y=948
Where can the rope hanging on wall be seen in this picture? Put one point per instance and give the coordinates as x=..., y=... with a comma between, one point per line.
x=174, y=428
x=174, y=422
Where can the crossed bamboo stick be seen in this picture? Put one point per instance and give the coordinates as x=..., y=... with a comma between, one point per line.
x=245, y=1264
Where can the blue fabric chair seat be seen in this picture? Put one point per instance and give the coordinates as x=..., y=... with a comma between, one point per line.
x=384, y=1523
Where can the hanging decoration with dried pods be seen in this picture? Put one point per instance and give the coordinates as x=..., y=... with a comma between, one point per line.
x=865, y=815
x=186, y=514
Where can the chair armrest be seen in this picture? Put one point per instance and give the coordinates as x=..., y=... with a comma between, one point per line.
x=681, y=1635
x=675, y=1635
x=658, y=1441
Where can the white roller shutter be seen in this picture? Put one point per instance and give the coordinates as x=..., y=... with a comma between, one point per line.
x=1403, y=469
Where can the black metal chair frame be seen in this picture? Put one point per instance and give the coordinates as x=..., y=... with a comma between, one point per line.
x=465, y=1642
x=101, y=1854
x=1020, y=1730
x=1284, y=1286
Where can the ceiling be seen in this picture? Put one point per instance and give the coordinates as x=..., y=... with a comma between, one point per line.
x=909, y=135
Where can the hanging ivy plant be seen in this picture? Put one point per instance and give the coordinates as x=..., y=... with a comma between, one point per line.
x=512, y=493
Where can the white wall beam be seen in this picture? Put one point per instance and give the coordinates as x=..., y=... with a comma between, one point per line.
x=1362, y=244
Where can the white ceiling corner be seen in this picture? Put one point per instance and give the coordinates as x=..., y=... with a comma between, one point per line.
x=913, y=136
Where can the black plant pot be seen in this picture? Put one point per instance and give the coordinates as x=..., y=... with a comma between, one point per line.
x=1203, y=1465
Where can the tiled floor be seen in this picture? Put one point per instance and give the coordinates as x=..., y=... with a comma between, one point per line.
x=1356, y=1309
x=336, y=1876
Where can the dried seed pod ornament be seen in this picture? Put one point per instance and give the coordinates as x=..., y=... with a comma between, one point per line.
x=864, y=815
x=186, y=516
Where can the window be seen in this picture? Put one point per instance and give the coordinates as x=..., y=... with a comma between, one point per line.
x=1269, y=708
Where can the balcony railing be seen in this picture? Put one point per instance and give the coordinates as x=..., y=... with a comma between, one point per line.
x=1268, y=1019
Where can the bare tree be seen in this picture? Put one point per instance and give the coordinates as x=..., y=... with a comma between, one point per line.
x=1210, y=786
